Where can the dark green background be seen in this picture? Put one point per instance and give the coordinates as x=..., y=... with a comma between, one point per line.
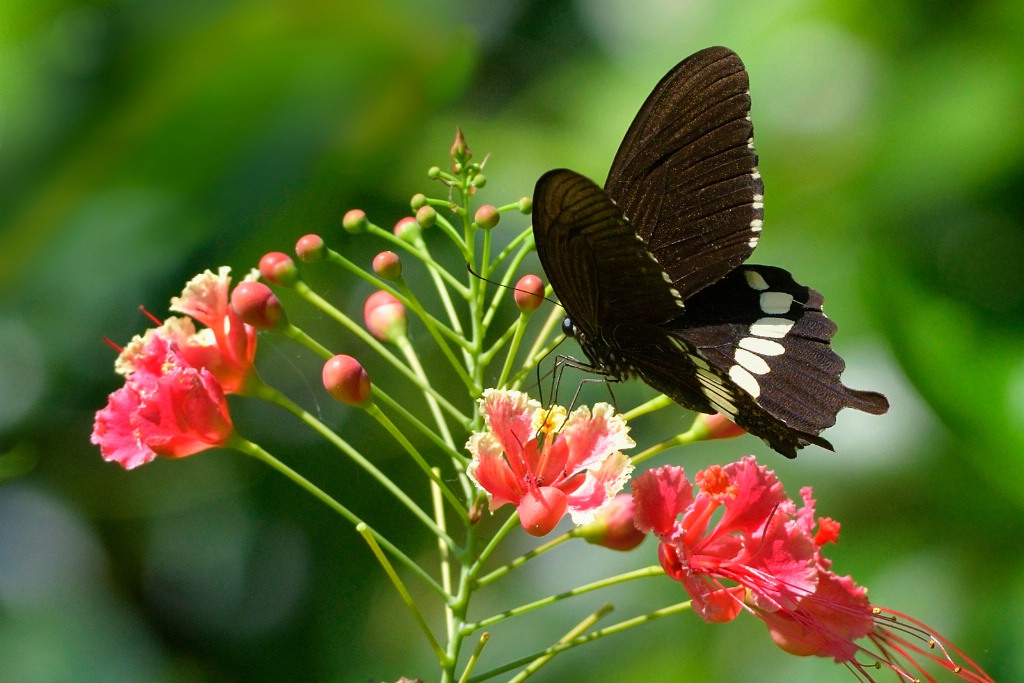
x=144, y=141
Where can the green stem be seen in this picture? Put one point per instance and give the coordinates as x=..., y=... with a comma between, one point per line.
x=442, y=658
x=422, y=255
x=513, y=348
x=523, y=559
x=272, y=395
x=431, y=325
x=606, y=631
x=696, y=432
x=403, y=294
x=298, y=335
x=657, y=403
x=380, y=395
x=576, y=632
x=405, y=346
x=525, y=234
x=431, y=473
x=325, y=306
x=653, y=570
x=474, y=657
x=249, y=448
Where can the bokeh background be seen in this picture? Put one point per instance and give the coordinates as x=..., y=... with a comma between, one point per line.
x=143, y=141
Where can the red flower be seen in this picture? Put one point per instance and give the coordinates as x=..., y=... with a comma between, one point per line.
x=770, y=554
x=228, y=347
x=545, y=463
x=166, y=407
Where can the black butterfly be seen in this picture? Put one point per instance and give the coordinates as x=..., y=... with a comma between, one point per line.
x=651, y=269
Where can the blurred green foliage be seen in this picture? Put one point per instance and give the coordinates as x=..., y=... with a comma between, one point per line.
x=143, y=141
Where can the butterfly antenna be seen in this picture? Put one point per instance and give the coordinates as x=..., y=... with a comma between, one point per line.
x=478, y=276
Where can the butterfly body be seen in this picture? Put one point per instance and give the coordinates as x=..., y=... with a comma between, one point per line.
x=651, y=269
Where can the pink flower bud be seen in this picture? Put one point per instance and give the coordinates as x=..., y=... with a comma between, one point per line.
x=384, y=316
x=347, y=381
x=529, y=293
x=426, y=216
x=408, y=229
x=310, y=248
x=460, y=150
x=613, y=527
x=388, y=265
x=278, y=268
x=418, y=201
x=718, y=426
x=525, y=205
x=541, y=509
x=487, y=217
x=355, y=222
x=257, y=305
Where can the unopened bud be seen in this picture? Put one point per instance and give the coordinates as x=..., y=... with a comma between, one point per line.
x=310, y=248
x=418, y=201
x=525, y=205
x=434, y=172
x=529, y=293
x=460, y=150
x=257, y=305
x=355, y=222
x=426, y=216
x=716, y=426
x=278, y=268
x=479, y=180
x=346, y=380
x=487, y=217
x=384, y=316
x=408, y=230
x=613, y=526
x=387, y=265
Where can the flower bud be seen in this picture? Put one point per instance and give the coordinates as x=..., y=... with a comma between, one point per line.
x=529, y=293
x=434, y=172
x=407, y=229
x=347, y=381
x=487, y=217
x=384, y=316
x=541, y=509
x=418, y=201
x=460, y=150
x=310, y=248
x=387, y=265
x=426, y=216
x=355, y=222
x=479, y=180
x=613, y=527
x=278, y=268
x=716, y=426
x=257, y=305
x=525, y=205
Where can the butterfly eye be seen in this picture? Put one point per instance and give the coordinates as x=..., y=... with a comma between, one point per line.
x=568, y=329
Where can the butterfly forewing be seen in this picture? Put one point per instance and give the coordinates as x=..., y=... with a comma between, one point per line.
x=602, y=272
x=685, y=175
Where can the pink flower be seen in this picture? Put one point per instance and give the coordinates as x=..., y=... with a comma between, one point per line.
x=227, y=348
x=547, y=464
x=166, y=407
x=769, y=553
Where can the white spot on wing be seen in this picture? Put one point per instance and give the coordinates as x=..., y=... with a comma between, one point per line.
x=751, y=362
x=755, y=280
x=752, y=242
x=745, y=381
x=776, y=302
x=765, y=347
x=724, y=407
x=773, y=328
x=756, y=225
